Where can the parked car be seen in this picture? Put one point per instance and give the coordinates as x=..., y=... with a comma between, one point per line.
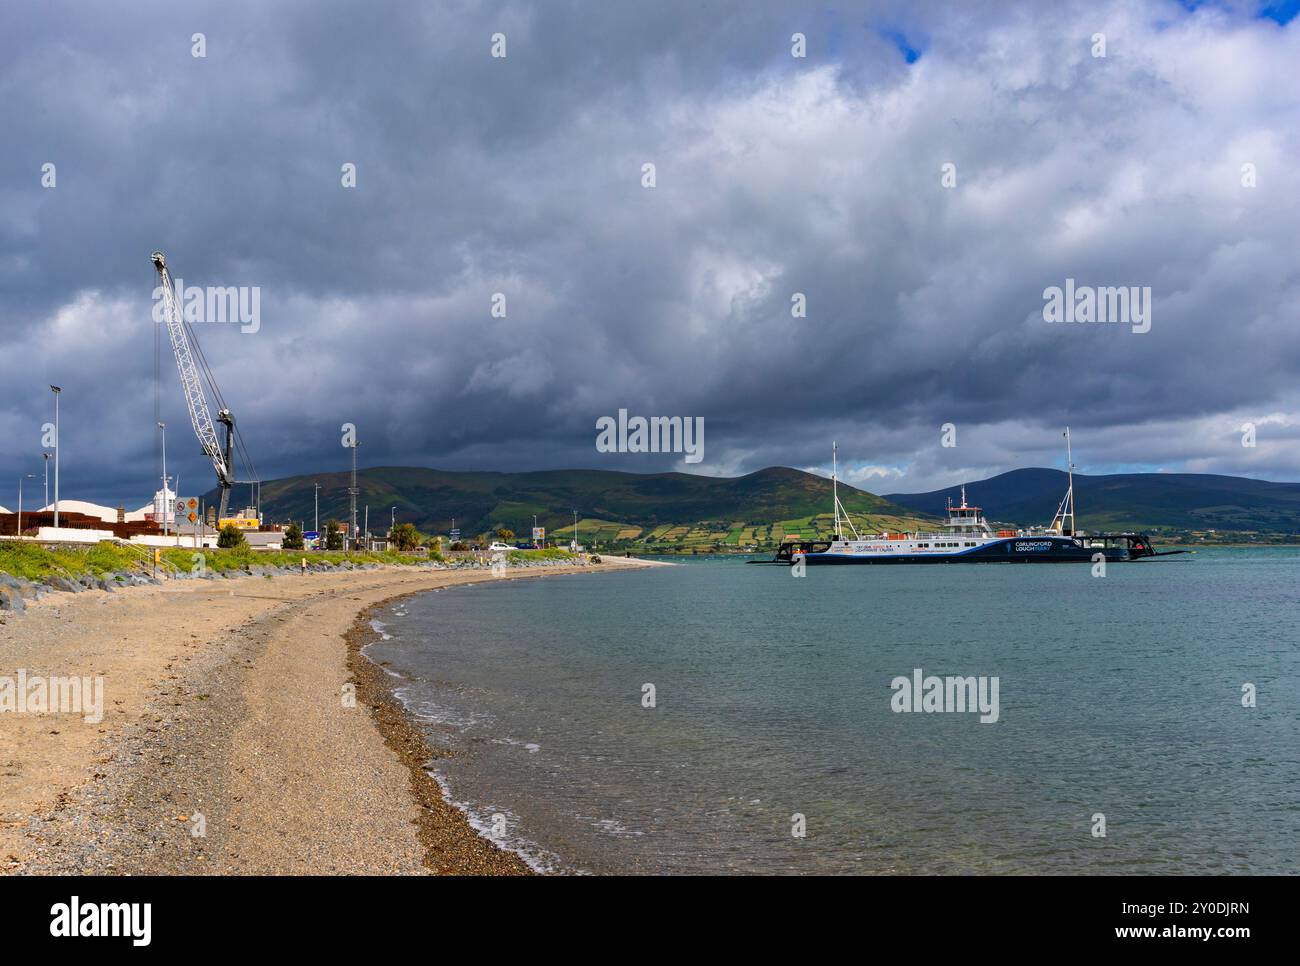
x=498, y=545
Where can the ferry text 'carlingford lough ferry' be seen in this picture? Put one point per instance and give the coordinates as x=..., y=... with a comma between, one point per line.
x=968, y=538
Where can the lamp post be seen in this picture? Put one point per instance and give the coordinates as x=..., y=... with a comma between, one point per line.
x=316, y=496
x=353, y=491
x=392, y=523
x=56, y=390
x=163, y=428
x=29, y=476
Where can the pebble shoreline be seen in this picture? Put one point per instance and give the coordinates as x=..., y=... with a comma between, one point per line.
x=232, y=713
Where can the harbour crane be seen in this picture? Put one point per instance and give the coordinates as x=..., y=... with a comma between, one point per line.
x=193, y=369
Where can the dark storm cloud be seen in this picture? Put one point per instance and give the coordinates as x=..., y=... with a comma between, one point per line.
x=775, y=175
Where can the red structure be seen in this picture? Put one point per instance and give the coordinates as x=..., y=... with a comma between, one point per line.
x=36, y=519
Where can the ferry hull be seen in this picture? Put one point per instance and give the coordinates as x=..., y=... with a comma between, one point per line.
x=1011, y=550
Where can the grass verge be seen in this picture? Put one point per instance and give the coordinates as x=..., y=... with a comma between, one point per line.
x=32, y=561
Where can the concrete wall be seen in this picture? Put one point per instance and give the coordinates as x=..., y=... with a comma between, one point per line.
x=71, y=535
x=186, y=540
x=257, y=541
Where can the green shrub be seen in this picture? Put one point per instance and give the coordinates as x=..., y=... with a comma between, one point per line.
x=404, y=536
x=550, y=553
x=231, y=537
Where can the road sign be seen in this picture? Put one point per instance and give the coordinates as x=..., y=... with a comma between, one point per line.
x=539, y=534
x=240, y=523
x=187, y=512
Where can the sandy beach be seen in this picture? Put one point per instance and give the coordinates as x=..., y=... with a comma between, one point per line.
x=229, y=743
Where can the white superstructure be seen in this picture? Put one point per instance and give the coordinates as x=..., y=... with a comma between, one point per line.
x=966, y=530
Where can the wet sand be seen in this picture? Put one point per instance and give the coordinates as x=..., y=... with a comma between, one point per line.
x=229, y=743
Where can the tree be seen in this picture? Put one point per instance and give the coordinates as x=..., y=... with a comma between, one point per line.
x=333, y=536
x=292, y=537
x=505, y=535
x=404, y=536
x=231, y=537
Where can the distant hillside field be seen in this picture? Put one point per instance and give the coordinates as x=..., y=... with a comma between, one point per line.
x=670, y=511
x=1184, y=502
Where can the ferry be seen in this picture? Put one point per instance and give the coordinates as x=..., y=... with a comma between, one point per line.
x=967, y=537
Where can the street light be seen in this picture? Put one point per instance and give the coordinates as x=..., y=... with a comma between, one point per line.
x=56, y=390
x=163, y=428
x=392, y=523
x=29, y=476
x=353, y=492
x=316, y=496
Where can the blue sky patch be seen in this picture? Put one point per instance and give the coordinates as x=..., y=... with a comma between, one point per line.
x=911, y=51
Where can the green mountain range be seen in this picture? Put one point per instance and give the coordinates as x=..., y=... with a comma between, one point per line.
x=1154, y=502
x=648, y=511
x=684, y=512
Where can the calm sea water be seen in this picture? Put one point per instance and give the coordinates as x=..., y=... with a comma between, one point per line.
x=1119, y=695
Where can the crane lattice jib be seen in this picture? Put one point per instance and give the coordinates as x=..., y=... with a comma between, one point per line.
x=191, y=384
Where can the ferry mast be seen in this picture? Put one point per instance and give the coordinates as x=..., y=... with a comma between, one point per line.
x=835, y=491
x=841, y=515
x=1069, y=465
x=1066, y=508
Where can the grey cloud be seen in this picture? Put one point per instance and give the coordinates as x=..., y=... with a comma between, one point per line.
x=774, y=176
